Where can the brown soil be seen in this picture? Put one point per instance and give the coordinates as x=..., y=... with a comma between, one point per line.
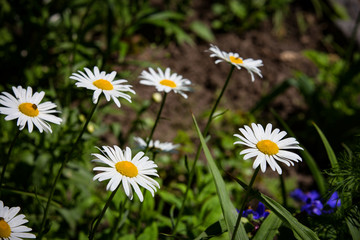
x=281, y=56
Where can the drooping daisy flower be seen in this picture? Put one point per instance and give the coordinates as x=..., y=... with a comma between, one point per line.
x=27, y=108
x=132, y=172
x=11, y=226
x=268, y=146
x=165, y=81
x=101, y=82
x=157, y=145
x=250, y=64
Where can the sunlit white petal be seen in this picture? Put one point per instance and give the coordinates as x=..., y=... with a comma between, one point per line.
x=112, y=89
x=165, y=82
x=38, y=116
x=267, y=146
x=14, y=222
x=145, y=168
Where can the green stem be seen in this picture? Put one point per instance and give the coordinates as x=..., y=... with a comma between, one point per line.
x=283, y=190
x=134, y=124
x=118, y=221
x=156, y=122
x=192, y=170
x=63, y=164
x=244, y=202
x=140, y=218
x=8, y=158
x=98, y=219
x=217, y=102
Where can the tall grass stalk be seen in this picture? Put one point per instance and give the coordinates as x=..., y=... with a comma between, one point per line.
x=192, y=170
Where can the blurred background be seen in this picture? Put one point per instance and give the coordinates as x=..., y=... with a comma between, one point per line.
x=310, y=51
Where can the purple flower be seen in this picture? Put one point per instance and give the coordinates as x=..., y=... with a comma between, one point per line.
x=298, y=195
x=334, y=200
x=312, y=207
x=312, y=203
x=259, y=213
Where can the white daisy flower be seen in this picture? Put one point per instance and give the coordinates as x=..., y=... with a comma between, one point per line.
x=250, y=64
x=165, y=81
x=101, y=82
x=268, y=146
x=11, y=226
x=131, y=171
x=27, y=108
x=156, y=145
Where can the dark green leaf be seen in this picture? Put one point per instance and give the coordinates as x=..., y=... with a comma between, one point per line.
x=214, y=229
x=268, y=228
x=328, y=148
x=229, y=211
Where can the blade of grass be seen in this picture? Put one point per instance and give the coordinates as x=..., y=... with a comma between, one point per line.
x=228, y=209
x=353, y=225
x=328, y=148
x=309, y=160
x=268, y=228
x=300, y=231
x=213, y=230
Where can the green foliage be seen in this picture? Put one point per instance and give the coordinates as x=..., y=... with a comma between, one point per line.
x=43, y=42
x=269, y=228
x=226, y=205
x=300, y=231
x=233, y=15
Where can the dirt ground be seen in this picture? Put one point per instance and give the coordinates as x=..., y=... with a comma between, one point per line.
x=281, y=56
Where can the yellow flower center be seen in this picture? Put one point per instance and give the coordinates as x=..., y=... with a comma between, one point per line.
x=29, y=109
x=126, y=168
x=168, y=83
x=5, y=229
x=267, y=147
x=236, y=60
x=103, y=84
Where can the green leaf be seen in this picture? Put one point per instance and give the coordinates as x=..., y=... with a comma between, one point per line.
x=150, y=233
x=214, y=229
x=229, y=211
x=166, y=15
x=328, y=148
x=268, y=228
x=353, y=225
x=202, y=31
x=265, y=100
x=309, y=160
x=170, y=198
x=300, y=231
x=315, y=171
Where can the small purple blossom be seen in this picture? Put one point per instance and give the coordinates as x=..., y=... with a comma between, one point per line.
x=312, y=202
x=260, y=212
x=334, y=200
x=312, y=207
